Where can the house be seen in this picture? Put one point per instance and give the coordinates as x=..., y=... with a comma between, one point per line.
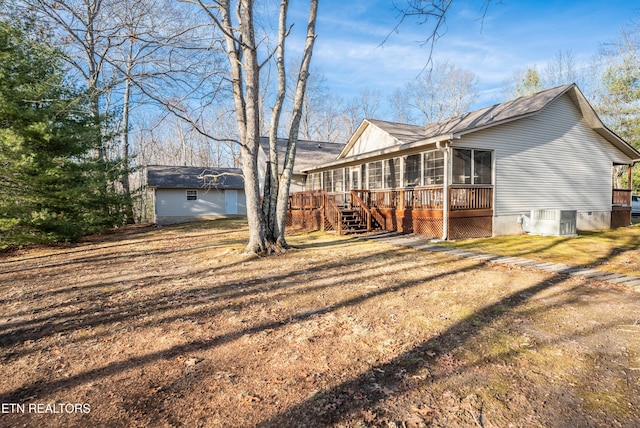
x=474, y=175
x=308, y=154
x=186, y=193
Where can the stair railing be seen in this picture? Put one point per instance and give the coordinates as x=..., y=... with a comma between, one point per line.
x=361, y=208
x=333, y=213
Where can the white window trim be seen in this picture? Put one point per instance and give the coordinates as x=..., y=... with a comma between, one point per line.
x=473, y=166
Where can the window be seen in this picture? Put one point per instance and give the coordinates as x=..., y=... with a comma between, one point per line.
x=392, y=173
x=327, y=181
x=412, y=168
x=433, y=168
x=316, y=181
x=471, y=166
x=192, y=195
x=355, y=177
x=338, y=180
x=461, y=167
x=374, y=174
x=481, y=167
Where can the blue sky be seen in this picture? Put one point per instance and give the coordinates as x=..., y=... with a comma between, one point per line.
x=514, y=34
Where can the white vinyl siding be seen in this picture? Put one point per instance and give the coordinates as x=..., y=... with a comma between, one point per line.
x=172, y=203
x=550, y=160
x=371, y=139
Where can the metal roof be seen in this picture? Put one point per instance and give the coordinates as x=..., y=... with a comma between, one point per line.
x=193, y=177
x=408, y=136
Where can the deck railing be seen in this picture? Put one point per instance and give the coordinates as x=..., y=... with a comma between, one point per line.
x=311, y=199
x=470, y=198
x=621, y=197
x=460, y=198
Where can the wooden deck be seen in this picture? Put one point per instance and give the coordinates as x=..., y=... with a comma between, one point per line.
x=414, y=210
x=620, y=208
x=411, y=210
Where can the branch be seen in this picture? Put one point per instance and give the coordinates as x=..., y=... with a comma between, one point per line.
x=427, y=11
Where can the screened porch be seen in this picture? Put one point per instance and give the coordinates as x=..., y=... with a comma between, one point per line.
x=404, y=193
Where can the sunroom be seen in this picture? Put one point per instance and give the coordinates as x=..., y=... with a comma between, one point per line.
x=404, y=192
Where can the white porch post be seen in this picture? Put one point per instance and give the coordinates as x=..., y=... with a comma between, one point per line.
x=445, y=189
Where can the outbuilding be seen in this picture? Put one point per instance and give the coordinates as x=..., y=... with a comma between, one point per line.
x=187, y=193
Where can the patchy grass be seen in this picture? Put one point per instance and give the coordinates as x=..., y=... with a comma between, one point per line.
x=174, y=326
x=616, y=250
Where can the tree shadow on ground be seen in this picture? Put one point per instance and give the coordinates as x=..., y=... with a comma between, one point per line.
x=326, y=407
x=348, y=401
x=101, y=316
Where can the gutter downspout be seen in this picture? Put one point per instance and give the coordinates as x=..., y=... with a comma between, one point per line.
x=445, y=189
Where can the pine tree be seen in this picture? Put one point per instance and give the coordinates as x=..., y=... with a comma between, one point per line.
x=51, y=186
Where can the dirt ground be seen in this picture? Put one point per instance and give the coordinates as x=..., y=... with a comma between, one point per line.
x=174, y=326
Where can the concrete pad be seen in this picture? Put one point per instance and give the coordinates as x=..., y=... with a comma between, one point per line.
x=625, y=278
x=556, y=268
x=587, y=273
x=612, y=276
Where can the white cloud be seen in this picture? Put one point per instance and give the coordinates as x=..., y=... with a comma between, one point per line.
x=512, y=36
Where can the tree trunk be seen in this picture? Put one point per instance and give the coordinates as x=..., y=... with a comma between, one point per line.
x=289, y=161
x=242, y=54
x=267, y=219
x=271, y=186
x=124, y=153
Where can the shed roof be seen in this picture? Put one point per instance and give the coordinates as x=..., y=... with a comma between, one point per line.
x=194, y=177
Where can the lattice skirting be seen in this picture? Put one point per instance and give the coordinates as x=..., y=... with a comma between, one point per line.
x=431, y=227
x=620, y=217
x=305, y=219
x=470, y=227
x=430, y=223
x=423, y=222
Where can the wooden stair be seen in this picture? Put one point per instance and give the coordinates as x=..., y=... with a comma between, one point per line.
x=352, y=223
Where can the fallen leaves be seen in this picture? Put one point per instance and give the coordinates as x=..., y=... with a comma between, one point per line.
x=177, y=327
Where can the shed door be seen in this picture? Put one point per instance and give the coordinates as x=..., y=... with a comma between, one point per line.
x=231, y=202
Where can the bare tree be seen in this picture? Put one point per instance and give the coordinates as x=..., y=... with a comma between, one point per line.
x=444, y=91
x=562, y=69
x=321, y=112
x=559, y=70
x=620, y=90
x=364, y=106
x=85, y=35
x=237, y=21
x=117, y=50
x=400, y=109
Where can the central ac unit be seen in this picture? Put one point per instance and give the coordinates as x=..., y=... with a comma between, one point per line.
x=553, y=222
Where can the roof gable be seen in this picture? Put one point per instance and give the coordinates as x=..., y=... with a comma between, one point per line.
x=193, y=177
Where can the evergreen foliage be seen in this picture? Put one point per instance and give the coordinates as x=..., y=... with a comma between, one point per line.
x=52, y=186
